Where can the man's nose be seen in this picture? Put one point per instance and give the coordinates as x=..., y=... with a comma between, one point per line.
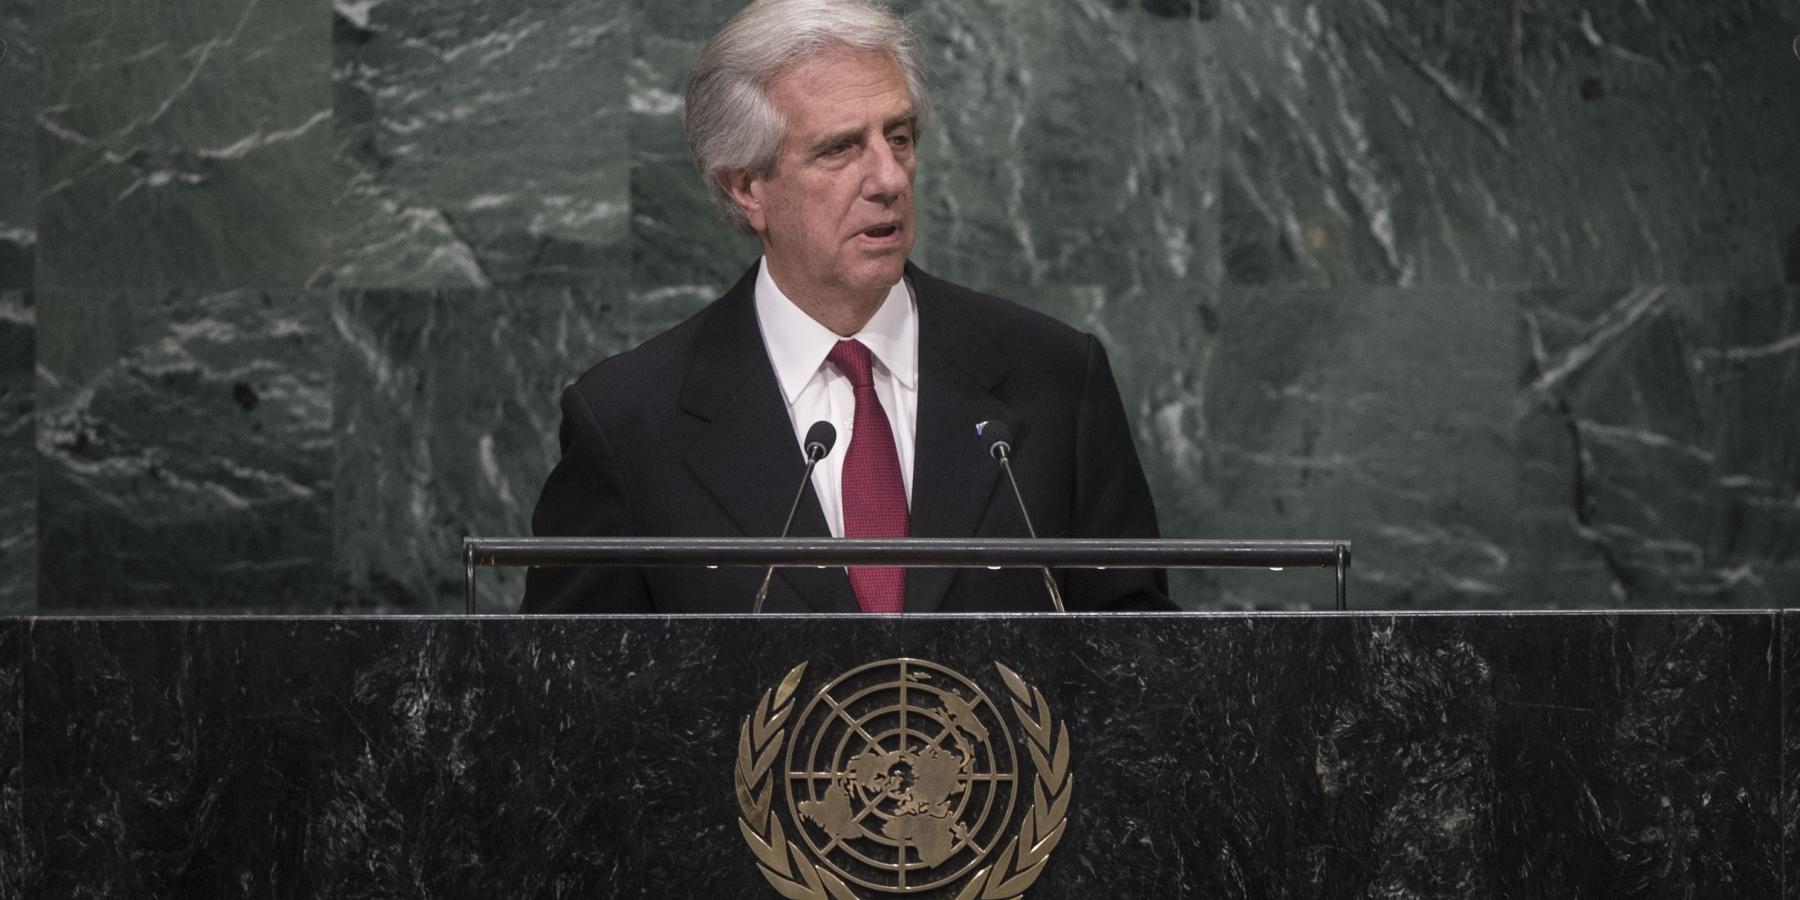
x=887, y=176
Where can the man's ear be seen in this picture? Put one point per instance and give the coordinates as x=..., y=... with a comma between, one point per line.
x=745, y=188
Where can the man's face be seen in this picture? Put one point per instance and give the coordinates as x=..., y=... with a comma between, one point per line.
x=835, y=214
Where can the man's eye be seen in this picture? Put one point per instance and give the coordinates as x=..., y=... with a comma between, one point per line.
x=836, y=150
x=901, y=140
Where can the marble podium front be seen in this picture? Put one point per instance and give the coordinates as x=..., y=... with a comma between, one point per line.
x=1570, y=755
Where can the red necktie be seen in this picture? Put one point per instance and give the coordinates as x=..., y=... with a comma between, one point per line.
x=874, y=494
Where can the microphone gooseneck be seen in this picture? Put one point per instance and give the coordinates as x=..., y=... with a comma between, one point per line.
x=999, y=446
x=818, y=443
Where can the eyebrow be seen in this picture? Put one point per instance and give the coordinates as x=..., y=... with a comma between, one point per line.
x=906, y=118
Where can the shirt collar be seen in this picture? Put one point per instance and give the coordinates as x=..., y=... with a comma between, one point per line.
x=798, y=344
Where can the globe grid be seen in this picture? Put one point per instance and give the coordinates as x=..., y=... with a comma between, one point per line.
x=897, y=709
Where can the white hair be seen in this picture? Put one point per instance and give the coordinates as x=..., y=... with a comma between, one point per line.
x=730, y=122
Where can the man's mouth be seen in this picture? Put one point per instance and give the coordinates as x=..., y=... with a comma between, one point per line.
x=881, y=232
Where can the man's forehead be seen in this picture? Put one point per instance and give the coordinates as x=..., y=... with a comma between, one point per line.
x=837, y=98
x=856, y=120
x=841, y=62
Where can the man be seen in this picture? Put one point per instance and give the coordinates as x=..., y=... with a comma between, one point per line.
x=803, y=116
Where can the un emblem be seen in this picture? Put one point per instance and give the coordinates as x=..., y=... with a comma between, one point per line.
x=901, y=777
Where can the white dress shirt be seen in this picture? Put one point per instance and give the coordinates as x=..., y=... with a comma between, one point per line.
x=814, y=390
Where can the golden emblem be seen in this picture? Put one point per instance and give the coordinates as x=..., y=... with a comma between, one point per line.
x=901, y=777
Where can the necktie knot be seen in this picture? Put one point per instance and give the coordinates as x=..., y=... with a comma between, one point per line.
x=852, y=359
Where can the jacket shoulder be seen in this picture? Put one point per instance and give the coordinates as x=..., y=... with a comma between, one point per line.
x=990, y=311
x=649, y=379
x=1047, y=351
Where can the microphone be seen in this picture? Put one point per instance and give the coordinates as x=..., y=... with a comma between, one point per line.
x=999, y=446
x=819, y=440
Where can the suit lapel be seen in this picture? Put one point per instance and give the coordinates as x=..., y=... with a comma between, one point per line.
x=953, y=478
x=747, y=457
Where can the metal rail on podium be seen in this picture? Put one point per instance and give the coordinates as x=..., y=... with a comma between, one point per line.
x=1061, y=553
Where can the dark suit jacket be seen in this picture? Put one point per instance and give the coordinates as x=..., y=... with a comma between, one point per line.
x=688, y=435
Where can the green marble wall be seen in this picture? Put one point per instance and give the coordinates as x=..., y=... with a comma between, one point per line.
x=1506, y=292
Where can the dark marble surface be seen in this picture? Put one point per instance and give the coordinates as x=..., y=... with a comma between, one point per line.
x=18, y=453
x=185, y=447
x=18, y=164
x=1568, y=756
x=183, y=148
x=1790, y=754
x=446, y=420
x=14, y=859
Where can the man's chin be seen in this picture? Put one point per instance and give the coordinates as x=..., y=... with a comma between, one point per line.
x=878, y=272
x=879, y=254
x=871, y=279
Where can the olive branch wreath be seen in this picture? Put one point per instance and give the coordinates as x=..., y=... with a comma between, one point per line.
x=796, y=877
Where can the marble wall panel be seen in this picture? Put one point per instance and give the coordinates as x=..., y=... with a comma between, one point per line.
x=1074, y=144
x=183, y=147
x=481, y=144
x=18, y=454
x=1677, y=170
x=447, y=419
x=1523, y=142
x=13, y=859
x=185, y=451
x=1661, y=466
x=1379, y=415
x=1162, y=343
x=682, y=253
x=18, y=164
x=1110, y=161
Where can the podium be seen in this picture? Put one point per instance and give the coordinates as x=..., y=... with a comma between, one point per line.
x=1330, y=754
